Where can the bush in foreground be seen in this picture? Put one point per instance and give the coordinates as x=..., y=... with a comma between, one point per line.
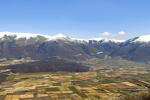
x=142, y=96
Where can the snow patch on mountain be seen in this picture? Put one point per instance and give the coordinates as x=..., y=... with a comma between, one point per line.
x=96, y=39
x=144, y=38
x=29, y=35
x=59, y=36
x=104, y=40
x=114, y=40
x=101, y=40
x=99, y=52
x=140, y=39
x=18, y=35
x=79, y=40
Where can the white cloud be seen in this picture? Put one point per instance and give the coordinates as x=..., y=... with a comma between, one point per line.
x=121, y=32
x=107, y=34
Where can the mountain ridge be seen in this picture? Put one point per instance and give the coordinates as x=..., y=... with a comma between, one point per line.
x=39, y=47
x=49, y=38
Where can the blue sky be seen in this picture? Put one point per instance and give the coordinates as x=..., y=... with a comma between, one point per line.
x=82, y=19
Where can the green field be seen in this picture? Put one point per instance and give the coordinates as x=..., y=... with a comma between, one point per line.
x=10, y=77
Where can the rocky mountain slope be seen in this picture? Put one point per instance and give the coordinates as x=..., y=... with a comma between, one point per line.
x=42, y=47
x=135, y=49
x=39, y=47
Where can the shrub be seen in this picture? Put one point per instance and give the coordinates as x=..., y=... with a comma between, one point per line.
x=142, y=96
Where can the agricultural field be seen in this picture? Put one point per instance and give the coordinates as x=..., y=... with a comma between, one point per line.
x=103, y=82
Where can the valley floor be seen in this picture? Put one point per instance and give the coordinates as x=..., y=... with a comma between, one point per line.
x=103, y=82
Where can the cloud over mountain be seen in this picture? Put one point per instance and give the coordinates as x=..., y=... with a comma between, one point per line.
x=121, y=33
x=107, y=34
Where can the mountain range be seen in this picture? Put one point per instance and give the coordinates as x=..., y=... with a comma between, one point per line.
x=41, y=47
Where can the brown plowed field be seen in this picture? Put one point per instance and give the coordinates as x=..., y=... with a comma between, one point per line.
x=106, y=87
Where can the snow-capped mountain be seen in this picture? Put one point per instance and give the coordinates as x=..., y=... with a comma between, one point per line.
x=141, y=39
x=104, y=40
x=27, y=36
x=100, y=40
x=136, y=49
x=37, y=46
